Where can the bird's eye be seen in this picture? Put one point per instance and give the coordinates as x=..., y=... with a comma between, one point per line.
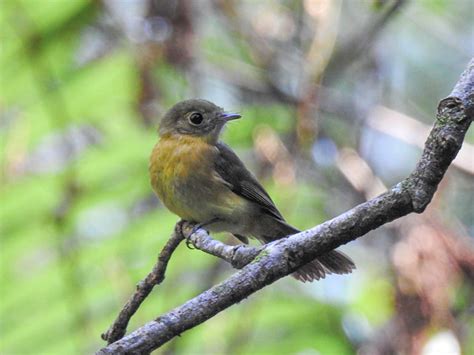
x=196, y=118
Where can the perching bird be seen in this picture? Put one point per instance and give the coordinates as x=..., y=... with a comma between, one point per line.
x=202, y=180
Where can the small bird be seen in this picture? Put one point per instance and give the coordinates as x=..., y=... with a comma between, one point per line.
x=202, y=180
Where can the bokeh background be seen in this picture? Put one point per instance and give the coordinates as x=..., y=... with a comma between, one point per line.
x=337, y=98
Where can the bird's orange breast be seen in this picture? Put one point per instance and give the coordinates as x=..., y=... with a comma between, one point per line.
x=182, y=175
x=179, y=156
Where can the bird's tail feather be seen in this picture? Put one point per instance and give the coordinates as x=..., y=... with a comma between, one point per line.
x=333, y=262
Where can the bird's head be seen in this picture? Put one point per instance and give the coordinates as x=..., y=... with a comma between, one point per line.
x=195, y=117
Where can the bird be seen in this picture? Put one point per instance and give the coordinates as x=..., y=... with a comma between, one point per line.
x=200, y=179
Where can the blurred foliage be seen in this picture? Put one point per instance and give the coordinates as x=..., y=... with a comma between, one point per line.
x=79, y=225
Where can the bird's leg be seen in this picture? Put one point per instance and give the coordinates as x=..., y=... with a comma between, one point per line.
x=196, y=227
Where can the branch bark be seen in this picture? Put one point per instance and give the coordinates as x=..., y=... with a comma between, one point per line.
x=155, y=277
x=284, y=256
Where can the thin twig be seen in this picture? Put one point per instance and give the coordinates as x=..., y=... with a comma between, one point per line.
x=155, y=277
x=237, y=255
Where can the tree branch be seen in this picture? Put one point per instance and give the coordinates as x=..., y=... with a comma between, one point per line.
x=155, y=277
x=284, y=256
x=237, y=255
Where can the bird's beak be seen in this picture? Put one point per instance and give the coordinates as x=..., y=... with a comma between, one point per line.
x=229, y=116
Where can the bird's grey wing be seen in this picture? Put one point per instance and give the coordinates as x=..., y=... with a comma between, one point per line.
x=241, y=181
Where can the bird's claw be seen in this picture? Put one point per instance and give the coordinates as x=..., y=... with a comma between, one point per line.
x=195, y=229
x=189, y=243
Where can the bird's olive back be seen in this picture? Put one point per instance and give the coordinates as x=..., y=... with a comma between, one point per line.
x=192, y=117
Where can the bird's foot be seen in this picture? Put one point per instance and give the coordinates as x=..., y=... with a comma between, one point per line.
x=189, y=244
x=197, y=226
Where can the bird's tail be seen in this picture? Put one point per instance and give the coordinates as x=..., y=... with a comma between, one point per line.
x=333, y=262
